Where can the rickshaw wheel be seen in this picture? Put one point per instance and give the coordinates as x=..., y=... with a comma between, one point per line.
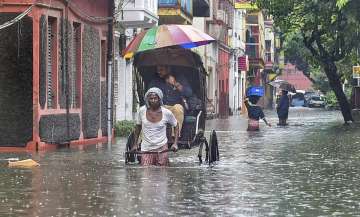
x=201, y=141
x=213, y=153
x=129, y=157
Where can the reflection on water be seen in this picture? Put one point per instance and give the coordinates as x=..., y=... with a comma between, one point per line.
x=309, y=168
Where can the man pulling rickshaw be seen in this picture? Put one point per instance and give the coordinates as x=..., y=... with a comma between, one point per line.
x=152, y=119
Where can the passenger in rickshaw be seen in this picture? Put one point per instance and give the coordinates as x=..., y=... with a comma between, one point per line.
x=175, y=88
x=152, y=119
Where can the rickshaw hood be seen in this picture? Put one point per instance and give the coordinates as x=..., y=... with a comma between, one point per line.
x=168, y=56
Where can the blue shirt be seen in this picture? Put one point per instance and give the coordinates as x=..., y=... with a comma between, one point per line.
x=254, y=112
x=172, y=96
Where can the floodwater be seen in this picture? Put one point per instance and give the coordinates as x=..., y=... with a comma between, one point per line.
x=309, y=168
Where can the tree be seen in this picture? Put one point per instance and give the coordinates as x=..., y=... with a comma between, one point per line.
x=329, y=29
x=296, y=53
x=299, y=55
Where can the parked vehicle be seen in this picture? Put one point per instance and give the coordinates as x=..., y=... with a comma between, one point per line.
x=307, y=97
x=297, y=99
x=316, y=101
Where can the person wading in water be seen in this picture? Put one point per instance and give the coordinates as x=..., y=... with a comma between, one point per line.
x=255, y=113
x=152, y=119
x=282, y=108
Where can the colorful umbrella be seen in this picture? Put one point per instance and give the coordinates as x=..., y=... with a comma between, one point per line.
x=161, y=36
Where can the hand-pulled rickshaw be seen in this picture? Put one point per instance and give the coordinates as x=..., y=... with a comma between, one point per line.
x=190, y=64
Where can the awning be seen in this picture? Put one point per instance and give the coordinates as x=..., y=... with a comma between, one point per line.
x=243, y=63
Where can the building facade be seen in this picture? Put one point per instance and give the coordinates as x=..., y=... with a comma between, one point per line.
x=132, y=17
x=237, y=72
x=271, y=67
x=53, y=77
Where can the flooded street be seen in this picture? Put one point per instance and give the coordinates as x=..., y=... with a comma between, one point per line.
x=309, y=168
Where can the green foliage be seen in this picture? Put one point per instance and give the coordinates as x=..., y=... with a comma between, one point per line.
x=331, y=100
x=341, y=3
x=299, y=55
x=124, y=128
x=320, y=81
x=296, y=52
x=345, y=65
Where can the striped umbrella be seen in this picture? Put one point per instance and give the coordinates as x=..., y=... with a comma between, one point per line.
x=161, y=36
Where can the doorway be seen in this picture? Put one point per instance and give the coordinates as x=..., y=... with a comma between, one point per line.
x=16, y=81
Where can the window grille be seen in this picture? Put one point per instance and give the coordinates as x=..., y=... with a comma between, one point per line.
x=49, y=66
x=75, y=69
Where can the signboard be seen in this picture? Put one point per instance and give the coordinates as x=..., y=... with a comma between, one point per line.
x=245, y=5
x=356, y=72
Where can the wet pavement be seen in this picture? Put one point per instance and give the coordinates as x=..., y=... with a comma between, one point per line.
x=309, y=168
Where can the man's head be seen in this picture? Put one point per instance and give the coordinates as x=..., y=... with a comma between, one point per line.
x=153, y=98
x=284, y=92
x=163, y=71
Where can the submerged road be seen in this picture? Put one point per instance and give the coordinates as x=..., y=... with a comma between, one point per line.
x=309, y=168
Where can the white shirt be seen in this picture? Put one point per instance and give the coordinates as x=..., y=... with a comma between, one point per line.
x=154, y=134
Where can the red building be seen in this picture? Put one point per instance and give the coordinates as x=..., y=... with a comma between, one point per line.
x=223, y=79
x=53, y=85
x=295, y=77
x=222, y=21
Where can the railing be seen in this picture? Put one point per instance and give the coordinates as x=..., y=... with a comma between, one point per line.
x=168, y=3
x=185, y=5
x=268, y=58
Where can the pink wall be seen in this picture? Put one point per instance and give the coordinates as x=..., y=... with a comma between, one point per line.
x=295, y=77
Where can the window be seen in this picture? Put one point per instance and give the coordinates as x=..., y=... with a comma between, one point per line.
x=103, y=58
x=51, y=60
x=268, y=57
x=268, y=45
x=252, y=19
x=75, y=74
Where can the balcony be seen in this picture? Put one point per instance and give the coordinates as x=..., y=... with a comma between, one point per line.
x=175, y=11
x=269, y=61
x=138, y=14
x=256, y=59
x=252, y=50
x=201, y=8
x=218, y=31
